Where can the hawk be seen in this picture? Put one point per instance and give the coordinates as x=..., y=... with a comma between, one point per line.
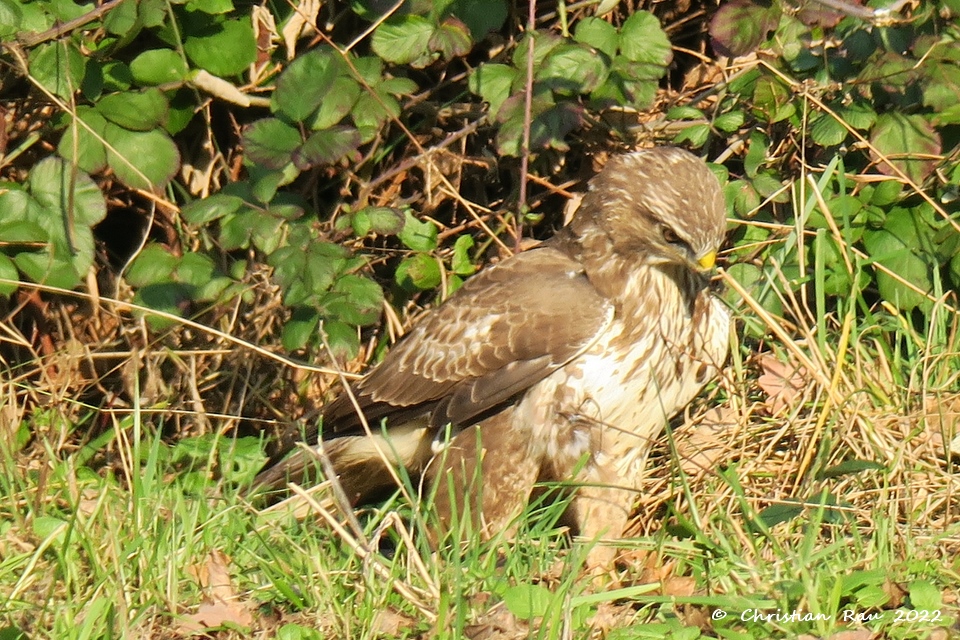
x=561, y=363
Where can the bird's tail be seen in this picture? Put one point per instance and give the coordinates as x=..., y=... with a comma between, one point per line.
x=364, y=465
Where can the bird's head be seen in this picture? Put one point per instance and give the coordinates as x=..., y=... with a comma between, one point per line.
x=663, y=203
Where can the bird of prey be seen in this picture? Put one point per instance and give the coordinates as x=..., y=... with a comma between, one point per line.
x=561, y=363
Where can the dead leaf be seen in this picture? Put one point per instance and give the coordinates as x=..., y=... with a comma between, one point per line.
x=391, y=623
x=705, y=445
x=497, y=624
x=852, y=634
x=610, y=616
x=221, y=604
x=895, y=592
x=781, y=382
x=301, y=23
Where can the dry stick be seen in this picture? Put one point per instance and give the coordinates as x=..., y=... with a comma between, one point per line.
x=527, y=115
x=129, y=306
x=421, y=152
x=393, y=519
x=66, y=27
x=407, y=591
x=338, y=493
x=801, y=90
x=412, y=161
x=387, y=462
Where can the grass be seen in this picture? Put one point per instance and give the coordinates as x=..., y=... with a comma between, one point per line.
x=835, y=511
x=812, y=491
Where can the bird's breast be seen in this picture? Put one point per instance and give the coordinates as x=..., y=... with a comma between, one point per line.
x=645, y=367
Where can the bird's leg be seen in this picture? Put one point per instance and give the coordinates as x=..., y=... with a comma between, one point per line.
x=599, y=511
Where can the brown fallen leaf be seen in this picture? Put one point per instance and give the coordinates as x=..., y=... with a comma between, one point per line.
x=781, y=382
x=705, y=445
x=852, y=634
x=221, y=604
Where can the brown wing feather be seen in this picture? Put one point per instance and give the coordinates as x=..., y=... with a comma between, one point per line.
x=507, y=328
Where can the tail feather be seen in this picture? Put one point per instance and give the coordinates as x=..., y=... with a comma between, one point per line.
x=359, y=461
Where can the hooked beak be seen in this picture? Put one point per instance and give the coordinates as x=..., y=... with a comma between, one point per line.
x=706, y=262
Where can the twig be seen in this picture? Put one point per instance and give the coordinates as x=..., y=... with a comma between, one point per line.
x=59, y=30
x=527, y=116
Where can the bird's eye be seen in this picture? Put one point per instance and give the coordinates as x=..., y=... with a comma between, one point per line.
x=669, y=235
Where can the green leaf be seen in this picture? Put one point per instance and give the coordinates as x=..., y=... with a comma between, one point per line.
x=745, y=198
x=827, y=131
x=493, y=83
x=326, y=147
x=135, y=110
x=370, y=112
x=158, y=66
x=460, y=264
x=848, y=467
x=300, y=328
x=122, y=21
x=941, y=86
x=599, y=34
x=571, y=69
x=894, y=247
x=904, y=140
x=695, y=135
x=404, y=40
x=210, y=6
x=544, y=43
x=481, y=16
x=451, y=39
x=337, y=103
x=730, y=121
x=297, y=632
x=271, y=143
x=81, y=142
x=643, y=42
x=59, y=67
x=266, y=231
x=10, y=17
x=380, y=220
x=235, y=229
x=859, y=116
x=756, y=153
x=8, y=270
x=419, y=236
x=886, y=193
x=419, y=271
x=307, y=83
x=398, y=86
x=116, y=76
x=740, y=26
x=769, y=186
x=528, y=601
x=354, y=299
x=199, y=272
x=67, y=192
x=142, y=160
x=925, y=596
x=780, y=512
x=342, y=338
x=182, y=109
x=224, y=48
x=152, y=265
x=212, y=208
x=772, y=100
x=628, y=83
x=45, y=527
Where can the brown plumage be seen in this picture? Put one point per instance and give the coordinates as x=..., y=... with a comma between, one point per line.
x=565, y=360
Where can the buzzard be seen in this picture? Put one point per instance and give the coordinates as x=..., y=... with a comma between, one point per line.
x=561, y=363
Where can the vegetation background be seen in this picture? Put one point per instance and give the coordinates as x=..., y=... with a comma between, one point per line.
x=199, y=197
